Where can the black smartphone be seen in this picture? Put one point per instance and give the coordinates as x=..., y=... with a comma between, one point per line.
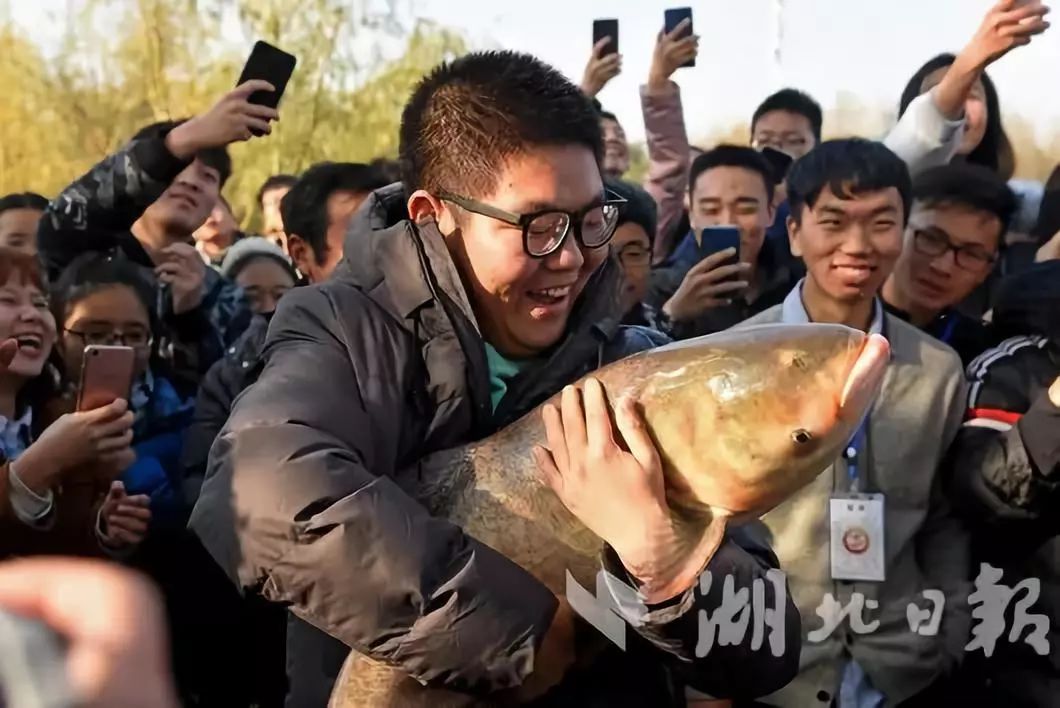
x=780, y=161
x=672, y=18
x=718, y=238
x=270, y=64
x=606, y=28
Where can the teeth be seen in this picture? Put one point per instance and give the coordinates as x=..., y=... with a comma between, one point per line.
x=557, y=292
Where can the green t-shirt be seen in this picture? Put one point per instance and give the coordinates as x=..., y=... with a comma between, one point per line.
x=502, y=371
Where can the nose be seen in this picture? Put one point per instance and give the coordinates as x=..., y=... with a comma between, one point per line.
x=569, y=256
x=857, y=241
x=945, y=263
x=30, y=313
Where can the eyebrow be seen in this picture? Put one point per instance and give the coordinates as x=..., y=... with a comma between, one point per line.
x=534, y=207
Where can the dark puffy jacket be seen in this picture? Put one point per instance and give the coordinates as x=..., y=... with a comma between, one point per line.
x=1005, y=476
x=225, y=380
x=96, y=213
x=364, y=375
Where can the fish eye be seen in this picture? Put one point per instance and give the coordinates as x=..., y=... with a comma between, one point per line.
x=802, y=436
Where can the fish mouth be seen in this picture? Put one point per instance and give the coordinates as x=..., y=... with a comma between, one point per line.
x=866, y=373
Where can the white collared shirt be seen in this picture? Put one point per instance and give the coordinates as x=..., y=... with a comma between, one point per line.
x=794, y=311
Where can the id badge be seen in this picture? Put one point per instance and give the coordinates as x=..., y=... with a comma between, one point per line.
x=857, y=537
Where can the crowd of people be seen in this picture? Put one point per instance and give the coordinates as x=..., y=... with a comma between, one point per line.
x=287, y=385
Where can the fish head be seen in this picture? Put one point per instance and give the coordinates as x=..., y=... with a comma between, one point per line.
x=745, y=418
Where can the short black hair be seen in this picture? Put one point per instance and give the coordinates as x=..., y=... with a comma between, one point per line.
x=792, y=101
x=968, y=185
x=848, y=167
x=275, y=182
x=389, y=170
x=305, y=207
x=23, y=200
x=468, y=116
x=640, y=207
x=217, y=158
x=93, y=271
x=732, y=156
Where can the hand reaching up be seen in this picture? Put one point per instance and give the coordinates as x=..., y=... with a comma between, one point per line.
x=1007, y=25
x=231, y=120
x=672, y=51
x=600, y=69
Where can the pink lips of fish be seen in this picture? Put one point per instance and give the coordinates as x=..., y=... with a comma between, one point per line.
x=745, y=418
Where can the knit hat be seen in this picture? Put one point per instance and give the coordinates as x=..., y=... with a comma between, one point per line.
x=245, y=250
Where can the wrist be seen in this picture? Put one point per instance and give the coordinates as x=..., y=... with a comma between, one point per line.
x=658, y=81
x=36, y=470
x=671, y=313
x=181, y=141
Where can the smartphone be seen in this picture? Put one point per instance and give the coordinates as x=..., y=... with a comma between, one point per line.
x=780, y=161
x=718, y=238
x=106, y=375
x=674, y=17
x=270, y=64
x=606, y=28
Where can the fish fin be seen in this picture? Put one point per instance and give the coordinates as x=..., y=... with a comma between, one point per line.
x=704, y=542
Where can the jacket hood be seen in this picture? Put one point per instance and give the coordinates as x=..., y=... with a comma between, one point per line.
x=382, y=247
x=1028, y=302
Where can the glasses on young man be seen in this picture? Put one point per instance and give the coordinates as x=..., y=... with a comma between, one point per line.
x=634, y=255
x=135, y=338
x=545, y=231
x=933, y=244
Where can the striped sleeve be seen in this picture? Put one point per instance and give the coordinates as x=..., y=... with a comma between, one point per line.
x=988, y=403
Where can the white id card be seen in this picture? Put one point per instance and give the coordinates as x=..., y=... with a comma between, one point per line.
x=857, y=537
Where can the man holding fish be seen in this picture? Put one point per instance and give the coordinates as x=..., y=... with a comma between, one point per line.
x=469, y=295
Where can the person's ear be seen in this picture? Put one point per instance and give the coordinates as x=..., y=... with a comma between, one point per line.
x=301, y=254
x=794, y=232
x=424, y=206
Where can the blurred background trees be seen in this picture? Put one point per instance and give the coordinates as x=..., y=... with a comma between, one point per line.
x=123, y=63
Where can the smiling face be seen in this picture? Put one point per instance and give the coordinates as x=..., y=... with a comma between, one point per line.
x=25, y=317
x=188, y=200
x=850, y=245
x=733, y=196
x=932, y=284
x=522, y=303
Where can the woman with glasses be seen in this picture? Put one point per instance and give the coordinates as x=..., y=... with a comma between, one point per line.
x=54, y=469
x=104, y=301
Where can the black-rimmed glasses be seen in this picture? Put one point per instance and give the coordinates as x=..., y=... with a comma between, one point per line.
x=634, y=255
x=545, y=231
x=135, y=338
x=932, y=244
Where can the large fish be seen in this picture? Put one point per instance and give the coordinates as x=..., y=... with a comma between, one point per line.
x=742, y=420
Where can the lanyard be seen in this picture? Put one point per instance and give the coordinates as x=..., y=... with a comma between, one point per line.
x=947, y=333
x=853, y=454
